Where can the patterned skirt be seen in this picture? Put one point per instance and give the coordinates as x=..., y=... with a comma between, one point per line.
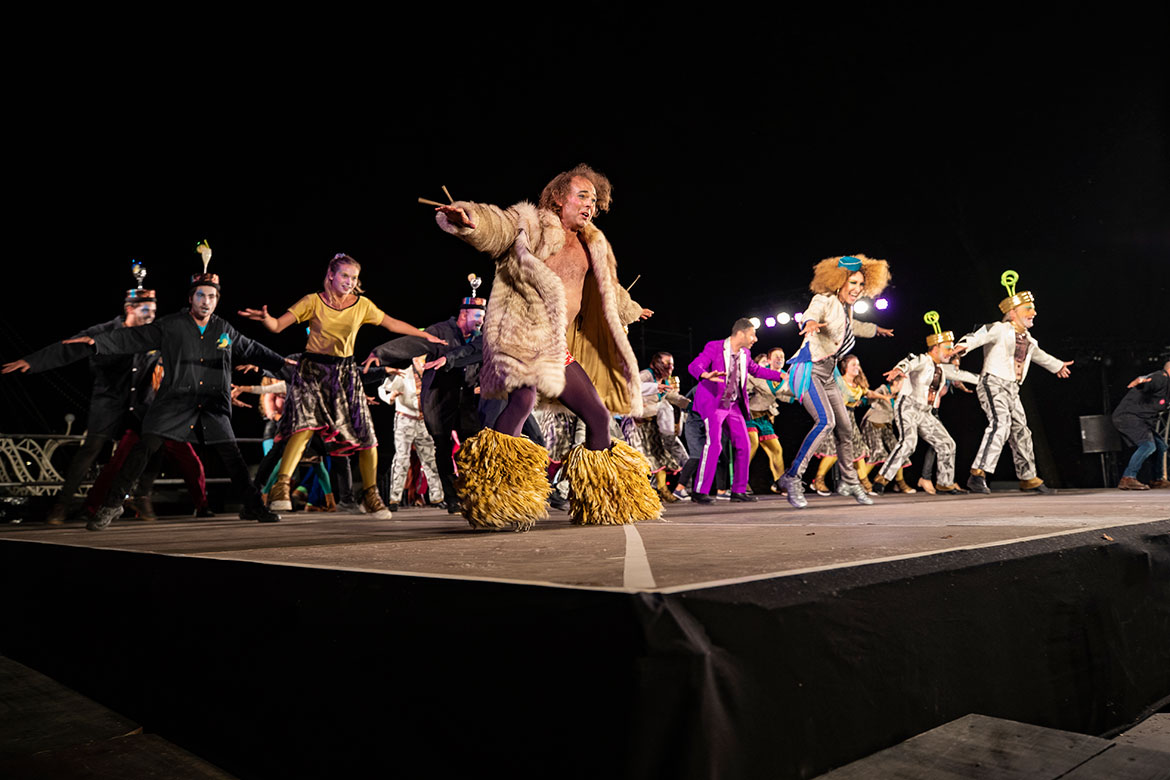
x=828, y=448
x=327, y=396
x=880, y=439
x=559, y=429
x=648, y=440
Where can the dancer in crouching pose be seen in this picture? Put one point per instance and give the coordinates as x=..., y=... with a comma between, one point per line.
x=554, y=327
x=326, y=394
x=829, y=334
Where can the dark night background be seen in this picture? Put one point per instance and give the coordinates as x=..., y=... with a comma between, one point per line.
x=741, y=151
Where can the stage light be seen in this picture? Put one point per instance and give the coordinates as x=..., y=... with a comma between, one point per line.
x=798, y=316
x=770, y=322
x=881, y=304
x=783, y=318
x=861, y=307
x=755, y=321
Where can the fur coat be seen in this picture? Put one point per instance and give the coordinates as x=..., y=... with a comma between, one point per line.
x=525, y=333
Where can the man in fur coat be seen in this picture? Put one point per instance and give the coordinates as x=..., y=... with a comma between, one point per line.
x=554, y=327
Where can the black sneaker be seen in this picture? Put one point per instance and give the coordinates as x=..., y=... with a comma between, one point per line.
x=976, y=483
x=702, y=498
x=204, y=512
x=259, y=513
x=743, y=498
x=556, y=502
x=1040, y=489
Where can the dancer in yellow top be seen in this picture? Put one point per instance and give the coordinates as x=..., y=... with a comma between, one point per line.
x=326, y=395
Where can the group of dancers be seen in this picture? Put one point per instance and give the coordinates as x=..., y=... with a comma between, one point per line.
x=554, y=334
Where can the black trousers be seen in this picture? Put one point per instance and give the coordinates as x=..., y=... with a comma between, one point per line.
x=85, y=456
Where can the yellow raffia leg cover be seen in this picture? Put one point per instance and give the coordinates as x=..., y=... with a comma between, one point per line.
x=611, y=486
x=503, y=481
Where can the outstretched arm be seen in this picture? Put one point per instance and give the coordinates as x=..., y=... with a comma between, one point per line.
x=61, y=353
x=488, y=228
x=274, y=324
x=1053, y=364
x=398, y=326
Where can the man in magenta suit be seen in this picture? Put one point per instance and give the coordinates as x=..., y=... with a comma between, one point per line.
x=722, y=369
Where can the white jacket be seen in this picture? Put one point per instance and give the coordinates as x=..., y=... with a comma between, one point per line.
x=999, y=351
x=919, y=371
x=830, y=312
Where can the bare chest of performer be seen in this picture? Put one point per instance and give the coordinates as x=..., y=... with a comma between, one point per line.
x=571, y=264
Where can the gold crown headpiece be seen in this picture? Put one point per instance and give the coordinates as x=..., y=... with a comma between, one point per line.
x=939, y=336
x=1008, y=279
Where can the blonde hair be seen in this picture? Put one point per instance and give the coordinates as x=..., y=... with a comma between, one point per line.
x=829, y=277
x=340, y=259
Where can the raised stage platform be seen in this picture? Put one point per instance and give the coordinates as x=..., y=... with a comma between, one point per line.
x=735, y=640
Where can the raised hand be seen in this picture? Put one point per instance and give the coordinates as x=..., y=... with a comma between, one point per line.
x=893, y=374
x=260, y=315
x=456, y=216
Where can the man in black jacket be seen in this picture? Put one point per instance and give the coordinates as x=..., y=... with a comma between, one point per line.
x=114, y=381
x=1136, y=419
x=193, y=402
x=450, y=401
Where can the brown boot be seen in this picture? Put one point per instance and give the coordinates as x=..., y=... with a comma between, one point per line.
x=900, y=484
x=142, y=507
x=1129, y=483
x=666, y=496
x=278, y=495
x=372, y=504
x=866, y=485
x=1160, y=484
x=820, y=486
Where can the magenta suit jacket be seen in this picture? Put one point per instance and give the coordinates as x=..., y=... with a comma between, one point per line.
x=716, y=356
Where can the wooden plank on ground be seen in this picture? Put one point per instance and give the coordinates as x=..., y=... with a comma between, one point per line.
x=1124, y=762
x=1153, y=733
x=141, y=756
x=976, y=747
x=37, y=714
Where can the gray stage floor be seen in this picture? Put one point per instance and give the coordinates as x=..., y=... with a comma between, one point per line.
x=691, y=546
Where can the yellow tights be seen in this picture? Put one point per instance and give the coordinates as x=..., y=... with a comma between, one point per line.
x=367, y=459
x=772, y=449
x=863, y=468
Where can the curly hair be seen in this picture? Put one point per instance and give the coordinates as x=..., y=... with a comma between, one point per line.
x=828, y=277
x=556, y=192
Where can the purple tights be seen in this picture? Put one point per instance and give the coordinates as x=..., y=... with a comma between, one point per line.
x=579, y=397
